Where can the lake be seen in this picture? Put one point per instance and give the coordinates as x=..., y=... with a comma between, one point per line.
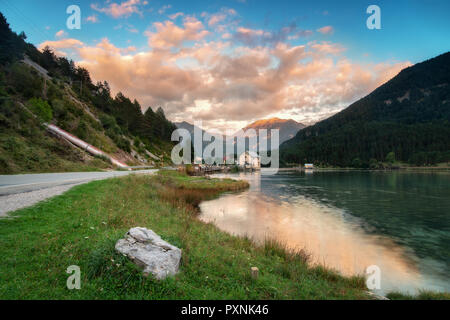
x=349, y=220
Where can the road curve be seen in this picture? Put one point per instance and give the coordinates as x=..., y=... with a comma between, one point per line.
x=20, y=191
x=13, y=184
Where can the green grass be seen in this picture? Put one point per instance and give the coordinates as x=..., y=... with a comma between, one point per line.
x=26, y=147
x=43, y=153
x=183, y=181
x=82, y=226
x=423, y=295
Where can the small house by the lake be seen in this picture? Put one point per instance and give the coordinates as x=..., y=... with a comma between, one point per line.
x=250, y=159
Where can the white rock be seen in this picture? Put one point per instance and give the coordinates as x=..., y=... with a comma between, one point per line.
x=146, y=249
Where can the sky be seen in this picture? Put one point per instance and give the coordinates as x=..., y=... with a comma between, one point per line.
x=228, y=63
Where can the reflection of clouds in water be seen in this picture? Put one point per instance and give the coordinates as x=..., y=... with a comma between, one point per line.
x=332, y=236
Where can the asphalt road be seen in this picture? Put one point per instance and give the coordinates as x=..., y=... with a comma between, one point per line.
x=15, y=184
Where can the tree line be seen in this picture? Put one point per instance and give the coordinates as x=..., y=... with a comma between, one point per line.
x=121, y=112
x=408, y=116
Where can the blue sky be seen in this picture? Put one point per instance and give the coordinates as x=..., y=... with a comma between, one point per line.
x=412, y=31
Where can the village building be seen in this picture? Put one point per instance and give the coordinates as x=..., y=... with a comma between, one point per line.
x=250, y=159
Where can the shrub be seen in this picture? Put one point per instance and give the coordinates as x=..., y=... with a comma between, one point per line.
x=82, y=130
x=59, y=109
x=356, y=163
x=107, y=121
x=93, y=122
x=53, y=91
x=390, y=157
x=374, y=164
x=123, y=144
x=110, y=124
x=137, y=142
x=103, y=158
x=40, y=108
x=2, y=85
x=25, y=81
x=3, y=92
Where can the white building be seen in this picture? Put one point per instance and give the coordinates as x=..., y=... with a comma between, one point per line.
x=309, y=166
x=250, y=159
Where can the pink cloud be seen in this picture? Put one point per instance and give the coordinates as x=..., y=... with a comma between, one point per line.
x=61, y=34
x=92, y=19
x=60, y=44
x=216, y=18
x=163, y=9
x=326, y=30
x=124, y=9
x=248, y=31
x=56, y=46
x=227, y=36
x=169, y=35
x=236, y=82
x=176, y=15
x=327, y=47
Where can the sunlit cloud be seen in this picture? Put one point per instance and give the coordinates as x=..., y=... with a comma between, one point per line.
x=71, y=44
x=92, y=19
x=254, y=37
x=124, y=9
x=170, y=35
x=228, y=79
x=61, y=34
x=176, y=15
x=163, y=9
x=60, y=44
x=326, y=30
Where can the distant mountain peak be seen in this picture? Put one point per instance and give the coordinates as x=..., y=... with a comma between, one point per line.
x=269, y=123
x=288, y=128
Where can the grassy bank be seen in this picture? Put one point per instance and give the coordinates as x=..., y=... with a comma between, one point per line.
x=423, y=295
x=82, y=226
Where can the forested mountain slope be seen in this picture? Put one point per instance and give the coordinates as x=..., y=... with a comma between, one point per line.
x=409, y=116
x=38, y=87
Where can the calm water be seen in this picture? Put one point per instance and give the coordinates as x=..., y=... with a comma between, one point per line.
x=398, y=221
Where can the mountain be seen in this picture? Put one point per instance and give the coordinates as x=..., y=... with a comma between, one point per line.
x=189, y=127
x=407, y=117
x=288, y=128
x=38, y=88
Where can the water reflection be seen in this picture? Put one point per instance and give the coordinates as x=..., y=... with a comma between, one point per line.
x=333, y=237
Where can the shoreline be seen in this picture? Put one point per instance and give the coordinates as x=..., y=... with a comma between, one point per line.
x=81, y=227
x=402, y=169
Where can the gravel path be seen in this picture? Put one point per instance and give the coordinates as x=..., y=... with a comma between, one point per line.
x=22, y=200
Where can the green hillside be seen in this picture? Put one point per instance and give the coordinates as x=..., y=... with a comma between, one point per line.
x=38, y=87
x=407, y=119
